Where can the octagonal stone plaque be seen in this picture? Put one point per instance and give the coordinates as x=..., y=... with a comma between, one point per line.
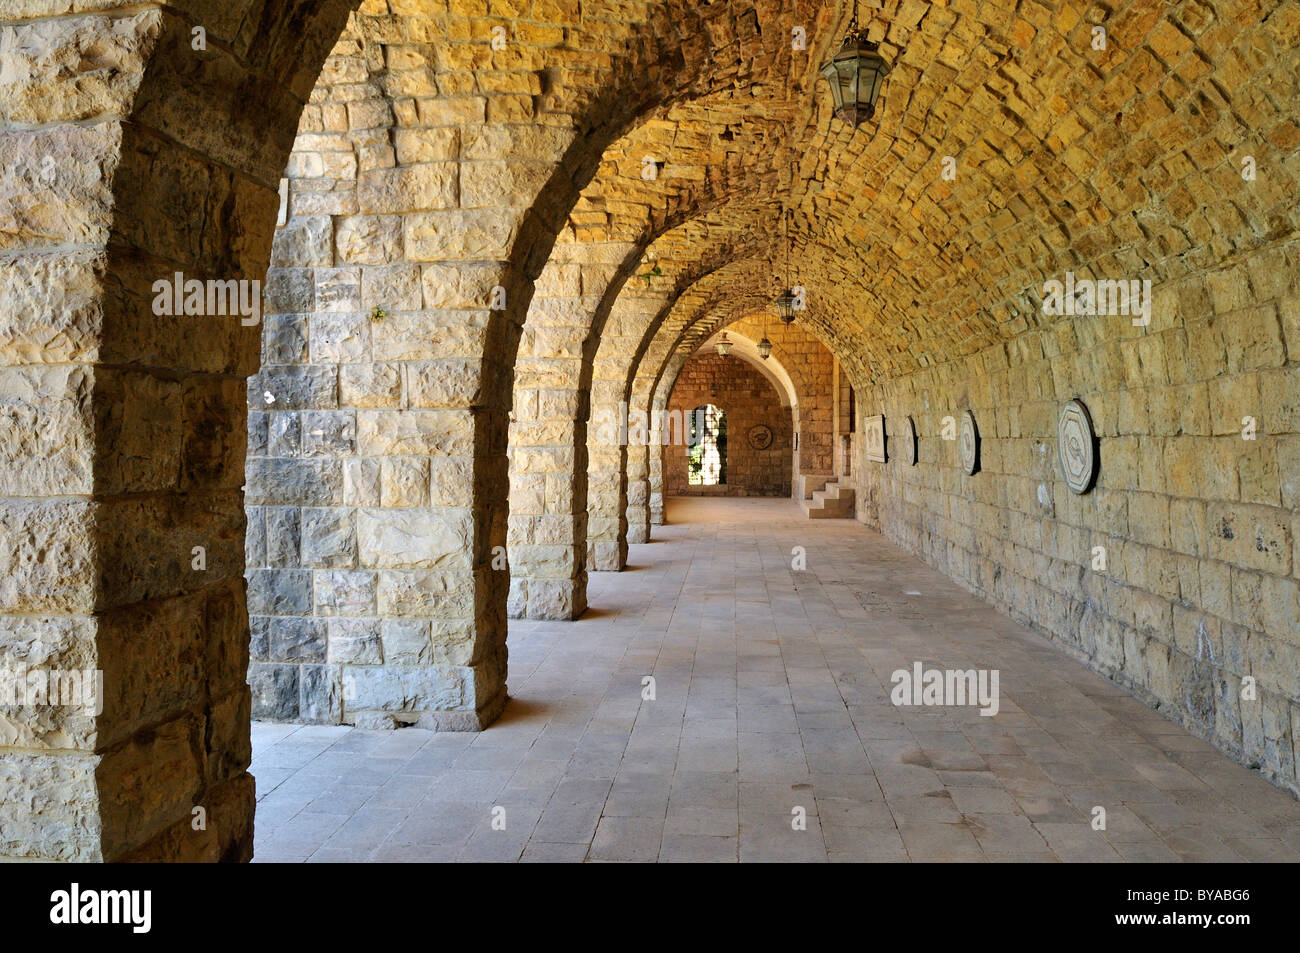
x=968, y=443
x=1076, y=447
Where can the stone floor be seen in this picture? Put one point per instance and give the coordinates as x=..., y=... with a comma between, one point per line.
x=771, y=694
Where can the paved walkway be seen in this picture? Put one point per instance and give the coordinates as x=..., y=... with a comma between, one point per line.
x=771, y=693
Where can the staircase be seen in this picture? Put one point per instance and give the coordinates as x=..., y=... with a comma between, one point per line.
x=833, y=502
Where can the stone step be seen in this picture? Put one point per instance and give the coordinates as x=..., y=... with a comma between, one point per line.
x=836, y=501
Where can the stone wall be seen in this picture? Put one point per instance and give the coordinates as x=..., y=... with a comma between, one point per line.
x=749, y=400
x=812, y=370
x=1196, y=512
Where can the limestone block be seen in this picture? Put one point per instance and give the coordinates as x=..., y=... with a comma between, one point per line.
x=361, y=486
x=339, y=338
x=406, y=641
x=255, y=539
x=517, y=600
x=429, y=335
x=417, y=538
x=1280, y=400
x=1254, y=537
x=342, y=592
x=391, y=287
x=284, y=341
x=537, y=562
x=328, y=433
x=46, y=427
x=321, y=694
x=280, y=592
x=355, y=642
x=305, y=242
x=157, y=778
x=552, y=599
x=67, y=644
x=460, y=235
x=302, y=203
x=490, y=184
x=606, y=556
x=338, y=290
x=55, y=68
x=213, y=445
x=370, y=385
x=55, y=189
x=451, y=481
x=407, y=688
x=53, y=313
x=295, y=387
x=435, y=433
x=425, y=145
x=404, y=481
x=301, y=482
x=461, y=285
x=297, y=639
x=426, y=594
x=369, y=239
x=283, y=531
x=275, y=691
x=290, y=291
x=228, y=746
x=328, y=538
x=408, y=188
x=49, y=806
x=455, y=641
x=284, y=434
x=443, y=384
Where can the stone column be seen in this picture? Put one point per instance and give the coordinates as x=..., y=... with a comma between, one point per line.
x=549, y=432
x=121, y=512
x=619, y=430
x=638, y=494
x=656, y=461
x=607, y=481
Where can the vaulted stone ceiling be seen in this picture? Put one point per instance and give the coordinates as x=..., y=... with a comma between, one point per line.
x=1058, y=153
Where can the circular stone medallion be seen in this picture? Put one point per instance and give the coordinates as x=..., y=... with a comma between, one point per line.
x=909, y=441
x=1076, y=447
x=968, y=443
x=760, y=437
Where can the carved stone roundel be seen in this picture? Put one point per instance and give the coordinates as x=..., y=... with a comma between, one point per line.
x=1076, y=447
x=968, y=443
x=760, y=437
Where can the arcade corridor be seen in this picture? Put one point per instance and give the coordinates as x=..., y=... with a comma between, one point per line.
x=771, y=692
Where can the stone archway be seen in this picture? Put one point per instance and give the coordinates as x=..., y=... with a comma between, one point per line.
x=123, y=522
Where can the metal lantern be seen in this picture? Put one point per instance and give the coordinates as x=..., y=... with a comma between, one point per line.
x=785, y=306
x=723, y=345
x=765, y=348
x=855, y=74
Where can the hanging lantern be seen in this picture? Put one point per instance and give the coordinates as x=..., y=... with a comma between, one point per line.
x=765, y=348
x=785, y=306
x=855, y=74
x=723, y=345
